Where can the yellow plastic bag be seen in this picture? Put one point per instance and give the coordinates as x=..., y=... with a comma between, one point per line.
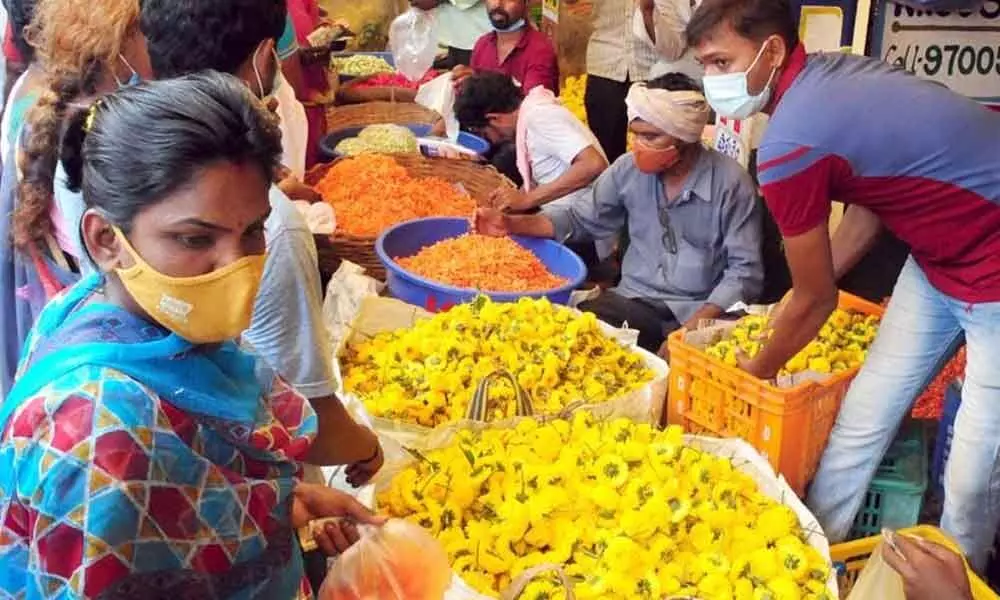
x=878, y=580
x=397, y=561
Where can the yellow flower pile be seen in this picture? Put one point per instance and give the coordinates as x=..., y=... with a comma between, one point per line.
x=571, y=93
x=427, y=374
x=629, y=510
x=842, y=343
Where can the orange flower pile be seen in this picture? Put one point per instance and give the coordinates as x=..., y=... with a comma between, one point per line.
x=372, y=192
x=930, y=404
x=484, y=263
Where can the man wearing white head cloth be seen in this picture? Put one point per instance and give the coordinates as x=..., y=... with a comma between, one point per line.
x=692, y=216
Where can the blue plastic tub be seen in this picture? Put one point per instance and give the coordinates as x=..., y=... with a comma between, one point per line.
x=329, y=143
x=387, y=56
x=407, y=239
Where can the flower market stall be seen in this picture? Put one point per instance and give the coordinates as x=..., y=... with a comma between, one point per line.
x=547, y=454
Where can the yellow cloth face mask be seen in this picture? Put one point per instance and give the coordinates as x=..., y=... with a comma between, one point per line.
x=206, y=309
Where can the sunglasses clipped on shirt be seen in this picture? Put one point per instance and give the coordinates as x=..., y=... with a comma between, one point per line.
x=669, y=238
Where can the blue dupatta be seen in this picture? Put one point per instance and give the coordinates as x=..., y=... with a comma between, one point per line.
x=22, y=291
x=218, y=383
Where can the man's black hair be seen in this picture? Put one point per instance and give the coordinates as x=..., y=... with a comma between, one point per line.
x=485, y=93
x=752, y=19
x=187, y=36
x=674, y=82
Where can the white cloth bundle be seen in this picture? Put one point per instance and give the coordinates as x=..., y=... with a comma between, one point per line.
x=681, y=114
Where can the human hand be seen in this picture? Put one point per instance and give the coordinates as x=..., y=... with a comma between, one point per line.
x=362, y=472
x=511, y=199
x=489, y=221
x=664, y=351
x=929, y=571
x=339, y=22
x=314, y=505
x=460, y=73
x=753, y=367
x=691, y=324
x=438, y=129
x=296, y=190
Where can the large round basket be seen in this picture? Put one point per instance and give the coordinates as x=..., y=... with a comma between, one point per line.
x=376, y=113
x=478, y=180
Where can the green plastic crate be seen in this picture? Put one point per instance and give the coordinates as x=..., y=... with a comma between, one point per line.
x=896, y=494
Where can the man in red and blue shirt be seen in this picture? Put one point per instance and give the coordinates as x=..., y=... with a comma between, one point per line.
x=902, y=153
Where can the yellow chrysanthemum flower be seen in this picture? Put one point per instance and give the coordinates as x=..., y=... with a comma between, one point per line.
x=678, y=521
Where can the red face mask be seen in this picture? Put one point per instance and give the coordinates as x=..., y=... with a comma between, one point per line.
x=654, y=160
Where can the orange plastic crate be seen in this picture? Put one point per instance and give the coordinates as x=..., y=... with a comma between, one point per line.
x=850, y=559
x=789, y=426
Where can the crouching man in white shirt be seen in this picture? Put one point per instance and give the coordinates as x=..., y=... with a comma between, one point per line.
x=558, y=158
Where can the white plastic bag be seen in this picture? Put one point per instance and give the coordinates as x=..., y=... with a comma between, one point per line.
x=397, y=561
x=413, y=42
x=438, y=95
x=319, y=217
x=878, y=580
x=345, y=293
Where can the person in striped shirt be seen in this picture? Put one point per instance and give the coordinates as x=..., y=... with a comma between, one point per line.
x=616, y=59
x=661, y=23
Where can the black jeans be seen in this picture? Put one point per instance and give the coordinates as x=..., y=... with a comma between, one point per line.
x=315, y=564
x=503, y=156
x=606, y=113
x=653, y=320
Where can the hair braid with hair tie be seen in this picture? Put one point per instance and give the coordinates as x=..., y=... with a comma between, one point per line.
x=43, y=148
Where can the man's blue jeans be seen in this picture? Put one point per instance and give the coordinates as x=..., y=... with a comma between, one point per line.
x=921, y=328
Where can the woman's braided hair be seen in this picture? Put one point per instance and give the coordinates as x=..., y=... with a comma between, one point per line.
x=77, y=42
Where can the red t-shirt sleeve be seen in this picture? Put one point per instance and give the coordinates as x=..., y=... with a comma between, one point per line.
x=542, y=68
x=797, y=182
x=10, y=52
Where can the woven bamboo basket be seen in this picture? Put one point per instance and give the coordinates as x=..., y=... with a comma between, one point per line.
x=478, y=180
x=376, y=113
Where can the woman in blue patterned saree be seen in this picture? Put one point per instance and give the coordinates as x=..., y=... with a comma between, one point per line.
x=142, y=451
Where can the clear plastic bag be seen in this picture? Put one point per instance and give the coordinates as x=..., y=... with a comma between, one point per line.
x=413, y=42
x=397, y=561
x=878, y=580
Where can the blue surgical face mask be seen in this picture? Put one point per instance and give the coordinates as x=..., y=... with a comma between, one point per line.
x=730, y=96
x=515, y=26
x=133, y=79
